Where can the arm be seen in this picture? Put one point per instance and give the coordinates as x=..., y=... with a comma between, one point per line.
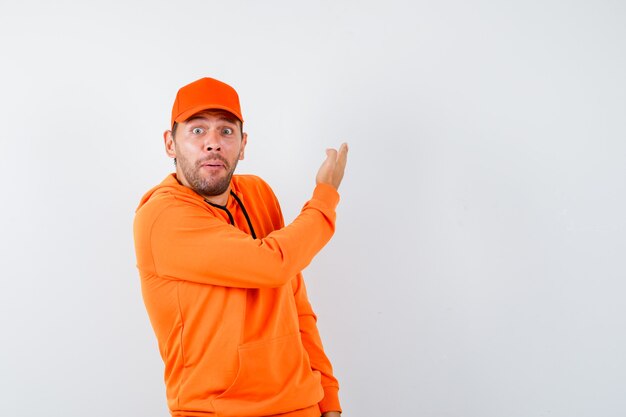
x=313, y=345
x=186, y=242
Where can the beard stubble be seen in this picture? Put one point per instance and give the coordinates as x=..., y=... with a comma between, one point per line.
x=207, y=185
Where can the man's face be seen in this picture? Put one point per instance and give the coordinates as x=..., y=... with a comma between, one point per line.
x=207, y=147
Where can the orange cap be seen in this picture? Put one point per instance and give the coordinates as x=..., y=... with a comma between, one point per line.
x=205, y=94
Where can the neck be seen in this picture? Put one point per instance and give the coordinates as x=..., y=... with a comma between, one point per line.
x=220, y=200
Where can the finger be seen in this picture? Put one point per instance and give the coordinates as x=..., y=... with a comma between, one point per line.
x=343, y=155
x=343, y=149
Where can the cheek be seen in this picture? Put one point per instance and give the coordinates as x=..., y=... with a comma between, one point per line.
x=188, y=148
x=183, y=154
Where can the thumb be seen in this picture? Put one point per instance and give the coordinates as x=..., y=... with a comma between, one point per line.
x=331, y=159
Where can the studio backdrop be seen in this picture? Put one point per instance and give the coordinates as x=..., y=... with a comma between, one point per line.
x=478, y=265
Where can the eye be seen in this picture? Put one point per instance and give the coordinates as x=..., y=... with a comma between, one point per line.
x=227, y=131
x=197, y=130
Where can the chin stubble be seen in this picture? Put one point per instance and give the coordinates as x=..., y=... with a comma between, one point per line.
x=207, y=186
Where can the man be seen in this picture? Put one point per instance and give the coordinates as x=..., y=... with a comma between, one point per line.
x=220, y=272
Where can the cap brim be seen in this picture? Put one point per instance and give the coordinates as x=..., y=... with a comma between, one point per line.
x=190, y=112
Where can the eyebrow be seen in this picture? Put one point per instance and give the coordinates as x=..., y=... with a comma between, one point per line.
x=222, y=117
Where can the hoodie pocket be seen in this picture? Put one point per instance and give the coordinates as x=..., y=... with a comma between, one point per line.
x=274, y=377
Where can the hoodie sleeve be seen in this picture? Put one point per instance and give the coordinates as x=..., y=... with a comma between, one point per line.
x=180, y=241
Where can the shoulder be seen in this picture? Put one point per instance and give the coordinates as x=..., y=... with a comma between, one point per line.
x=255, y=193
x=247, y=183
x=169, y=205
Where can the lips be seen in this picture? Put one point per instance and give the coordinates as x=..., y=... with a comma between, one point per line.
x=213, y=163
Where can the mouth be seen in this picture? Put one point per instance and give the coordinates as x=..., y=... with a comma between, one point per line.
x=213, y=164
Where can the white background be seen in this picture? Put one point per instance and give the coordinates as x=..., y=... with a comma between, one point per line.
x=478, y=266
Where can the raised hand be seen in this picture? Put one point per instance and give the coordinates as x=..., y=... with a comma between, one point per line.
x=332, y=169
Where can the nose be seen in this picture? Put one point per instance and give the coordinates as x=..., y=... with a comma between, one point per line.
x=213, y=141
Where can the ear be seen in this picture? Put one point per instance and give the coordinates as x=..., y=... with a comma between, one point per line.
x=244, y=141
x=170, y=148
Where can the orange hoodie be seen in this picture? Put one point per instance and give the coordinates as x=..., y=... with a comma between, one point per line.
x=235, y=328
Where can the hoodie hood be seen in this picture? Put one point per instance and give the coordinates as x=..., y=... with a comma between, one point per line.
x=171, y=186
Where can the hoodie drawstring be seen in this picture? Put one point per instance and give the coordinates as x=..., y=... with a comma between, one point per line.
x=230, y=216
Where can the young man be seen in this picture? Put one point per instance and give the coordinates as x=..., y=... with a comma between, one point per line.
x=220, y=272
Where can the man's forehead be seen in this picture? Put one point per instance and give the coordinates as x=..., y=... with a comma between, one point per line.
x=222, y=114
